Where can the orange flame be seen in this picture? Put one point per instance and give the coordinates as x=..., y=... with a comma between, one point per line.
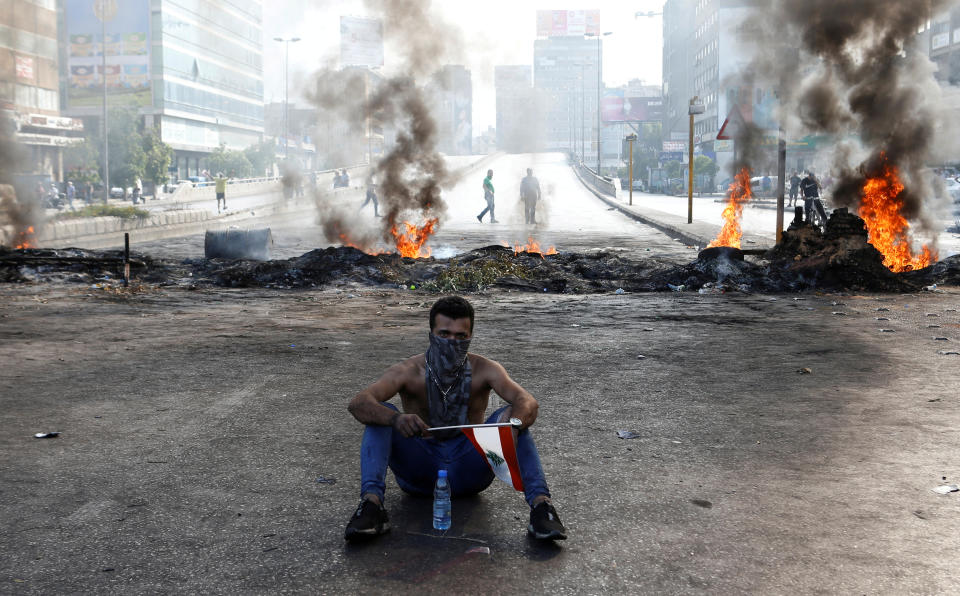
x=533, y=247
x=25, y=239
x=740, y=193
x=888, y=230
x=410, y=242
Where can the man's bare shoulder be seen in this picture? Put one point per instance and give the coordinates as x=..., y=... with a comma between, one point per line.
x=409, y=367
x=481, y=363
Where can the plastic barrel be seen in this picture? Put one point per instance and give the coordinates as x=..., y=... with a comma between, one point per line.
x=238, y=244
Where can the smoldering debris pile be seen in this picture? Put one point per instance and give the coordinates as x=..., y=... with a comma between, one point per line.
x=73, y=265
x=839, y=260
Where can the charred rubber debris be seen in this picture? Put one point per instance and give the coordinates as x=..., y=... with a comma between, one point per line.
x=806, y=259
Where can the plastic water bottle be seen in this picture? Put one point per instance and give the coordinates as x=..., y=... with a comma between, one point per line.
x=441, y=502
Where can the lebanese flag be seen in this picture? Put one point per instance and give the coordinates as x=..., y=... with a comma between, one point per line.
x=496, y=445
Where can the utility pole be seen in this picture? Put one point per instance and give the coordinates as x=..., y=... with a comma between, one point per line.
x=630, y=139
x=102, y=7
x=695, y=108
x=286, y=92
x=599, y=37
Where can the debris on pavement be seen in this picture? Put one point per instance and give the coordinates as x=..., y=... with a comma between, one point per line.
x=49, y=435
x=805, y=371
x=628, y=434
x=945, y=489
x=326, y=480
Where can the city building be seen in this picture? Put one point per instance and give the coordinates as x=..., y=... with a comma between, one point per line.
x=516, y=130
x=451, y=97
x=940, y=40
x=703, y=56
x=193, y=69
x=30, y=83
x=566, y=73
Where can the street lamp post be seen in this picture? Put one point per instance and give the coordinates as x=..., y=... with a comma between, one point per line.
x=630, y=139
x=695, y=108
x=105, y=12
x=286, y=91
x=599, y=37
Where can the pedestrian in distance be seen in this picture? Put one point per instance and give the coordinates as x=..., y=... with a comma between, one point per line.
x=221, y=189
x=371, y=196
x=794, y=187
x=810, y=187
x=488, y=196
x=138, y=191
x=446, y=386
x=530, y=194
x=71, y=193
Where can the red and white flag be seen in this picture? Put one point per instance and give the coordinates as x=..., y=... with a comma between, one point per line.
x=497, y=446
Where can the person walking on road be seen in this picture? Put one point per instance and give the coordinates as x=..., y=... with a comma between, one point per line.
x=221, y=190
x=446, y=386
x=794, y=187
x=530, y=194
x=371, y=196
x=489, y=198
x=811, y=191
x=71, y=193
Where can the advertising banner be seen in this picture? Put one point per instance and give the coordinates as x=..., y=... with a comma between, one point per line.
x=127, y=50
x=361, y=42
x=24, y=66
x=632, y=109
x=559, y=23
x=666, y=156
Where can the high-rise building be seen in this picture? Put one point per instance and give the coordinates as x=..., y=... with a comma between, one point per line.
x=29, y=84
x=566, y=73
x=451, y=94
x=514, y=93
x=940, y=40
x=702, y=58
x=194, y=69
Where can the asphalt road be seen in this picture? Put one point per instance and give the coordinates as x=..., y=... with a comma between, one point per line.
x=783, y=443
x=206, y=445
x=570, y=218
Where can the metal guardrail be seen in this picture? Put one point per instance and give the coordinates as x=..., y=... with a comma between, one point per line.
x=600, y=184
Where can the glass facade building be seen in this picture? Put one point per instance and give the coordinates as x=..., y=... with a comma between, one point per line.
x=207, y=64
x=197, y=74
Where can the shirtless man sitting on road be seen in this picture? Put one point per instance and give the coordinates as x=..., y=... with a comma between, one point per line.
x=446, y=386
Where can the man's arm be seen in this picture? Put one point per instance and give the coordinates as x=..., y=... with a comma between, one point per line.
x=367, y=406
x=523, y=405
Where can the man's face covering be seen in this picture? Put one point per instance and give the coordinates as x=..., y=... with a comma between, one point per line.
x=448, y=378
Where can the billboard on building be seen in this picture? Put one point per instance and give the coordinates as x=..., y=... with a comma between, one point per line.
x=127, y=49
x=631, y=109
x=558, y=23
x=361, y=42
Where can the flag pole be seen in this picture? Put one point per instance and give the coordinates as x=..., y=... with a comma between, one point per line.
x=515, y=422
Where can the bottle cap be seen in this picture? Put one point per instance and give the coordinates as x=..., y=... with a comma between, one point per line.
x=442, y=474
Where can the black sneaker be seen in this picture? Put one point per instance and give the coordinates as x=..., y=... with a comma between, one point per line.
x=368, y=521
x=545, y=524
x=480, y=218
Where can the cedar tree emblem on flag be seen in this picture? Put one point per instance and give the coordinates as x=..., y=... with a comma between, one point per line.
x=497, y=447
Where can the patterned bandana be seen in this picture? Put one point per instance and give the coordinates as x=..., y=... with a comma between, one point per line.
x=448, y=383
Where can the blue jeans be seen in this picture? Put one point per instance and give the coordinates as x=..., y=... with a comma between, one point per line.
x=415, y=462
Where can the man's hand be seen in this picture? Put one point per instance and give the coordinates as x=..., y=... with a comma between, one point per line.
x=409, y=425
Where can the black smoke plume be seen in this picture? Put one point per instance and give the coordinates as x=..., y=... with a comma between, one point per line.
x=848, y=68
x=19, y=213
x=410, y=177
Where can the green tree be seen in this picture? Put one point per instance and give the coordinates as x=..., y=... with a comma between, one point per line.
x=81, y=161
x=159, y=156
x=262, y=157
x=707, y=168
x=127, y=158
x=231, y=163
